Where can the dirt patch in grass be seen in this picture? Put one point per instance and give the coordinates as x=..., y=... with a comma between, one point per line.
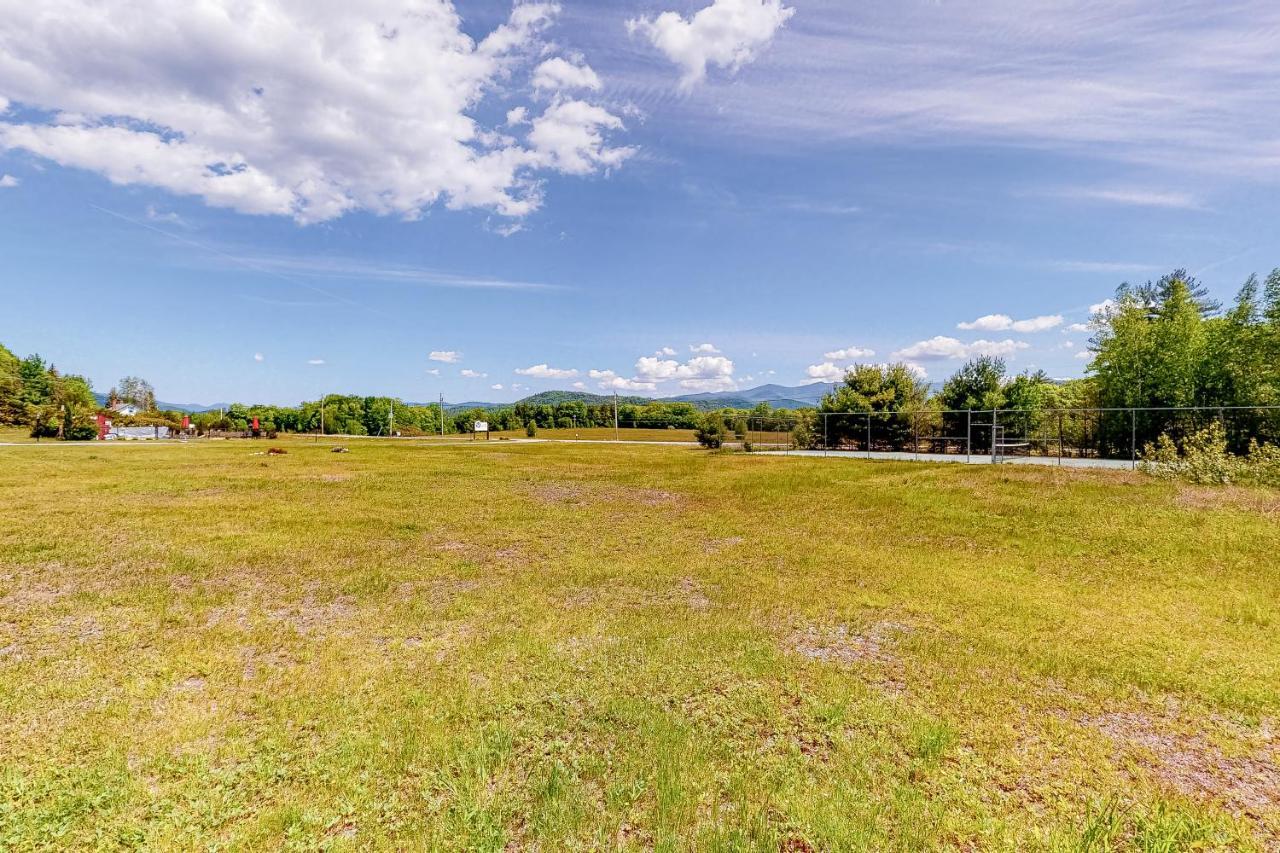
x=840, y=645
x=692, y=594
x=844, y=647
x=687, y=592
x=1247, y=781
x=558, y=493
x=715, y=546
x=647, y=497
x=438, y=592
x=28, y=597
x=1228, y=497
x=255, y=661
x=309, y=617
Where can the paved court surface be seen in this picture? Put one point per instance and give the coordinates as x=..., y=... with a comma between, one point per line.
x=975, y=459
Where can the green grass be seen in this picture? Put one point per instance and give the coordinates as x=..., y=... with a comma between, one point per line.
x=470, y=646
x=606, y=434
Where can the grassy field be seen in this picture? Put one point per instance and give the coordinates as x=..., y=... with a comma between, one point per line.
x=479, y=646
x=606, y=434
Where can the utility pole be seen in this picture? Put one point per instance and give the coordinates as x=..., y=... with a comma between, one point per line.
x=391, y=428
x=615, y=416
x=442, y=416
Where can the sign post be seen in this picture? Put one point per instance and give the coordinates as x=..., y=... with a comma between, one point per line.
x=481, y=426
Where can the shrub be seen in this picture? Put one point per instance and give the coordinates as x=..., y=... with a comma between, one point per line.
x=1204, y=458
x=710, y=432
x=531, y=429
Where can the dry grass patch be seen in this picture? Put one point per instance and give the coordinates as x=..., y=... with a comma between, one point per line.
x=1246, y=780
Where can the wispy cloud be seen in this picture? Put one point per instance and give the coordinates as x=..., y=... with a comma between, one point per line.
x=1130, y=196
x=352, y=269
x=1183, y=86
x=1102, y=266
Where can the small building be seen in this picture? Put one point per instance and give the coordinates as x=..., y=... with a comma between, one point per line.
x=126, y=410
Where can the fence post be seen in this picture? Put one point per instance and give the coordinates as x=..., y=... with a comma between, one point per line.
x=825, y=441
x=968, y=437
x=995, y=420
x=1059, y=438
x=915, y=435
x=868, y=435
x=1133, y=439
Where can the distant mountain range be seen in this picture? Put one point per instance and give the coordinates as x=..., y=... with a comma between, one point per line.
x=778, y=396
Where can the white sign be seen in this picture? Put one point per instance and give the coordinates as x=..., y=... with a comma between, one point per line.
x=482, y=426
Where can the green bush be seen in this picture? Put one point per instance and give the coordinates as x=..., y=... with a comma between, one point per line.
x=531, y=429
x=710, y=432
x=1204, y=458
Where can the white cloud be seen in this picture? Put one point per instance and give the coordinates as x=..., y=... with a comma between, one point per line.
x=825, y=372
x=610, y=381
x=569, y=137
x=1135, y=197
x=580, y=385
x=1076, y=328
x=154, y=214
x=542, y=371
x=941, y=347
x=472, y=374
x=1106, y=306
x=666, y=351
x=559, y=74
x=1002, y=322
x=315, y=362
x=497, y=386
x=297, y=109
x=705, y=349
x=1083, y=354
x=1109, y=267
x=8, y=182
x=433, y=371
x=257, y=356
x=727, y=34
x=849, y=353
x=447, y=356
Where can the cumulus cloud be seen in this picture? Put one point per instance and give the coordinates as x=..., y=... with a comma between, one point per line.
x=610, y=381
x=472, y=374
x=1003, y=322
x=705, y=349
x=298, y=109
x=727, y=34
x=1083, y=354
x=580, y=385
x=666, y=351
x=257, y=356
x=497, y=386
x=848, y=353
x=559, y=74
x=825, y=372
x=942, y=347
x=699, y=373
x=569, y=138
x=1076, y=328
x=542, y=371
x=8, y=182
x=447, y=356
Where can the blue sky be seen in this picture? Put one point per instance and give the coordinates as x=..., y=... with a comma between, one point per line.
x=294, y=198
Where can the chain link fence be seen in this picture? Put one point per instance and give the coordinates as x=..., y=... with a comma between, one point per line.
x=1106, y=436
